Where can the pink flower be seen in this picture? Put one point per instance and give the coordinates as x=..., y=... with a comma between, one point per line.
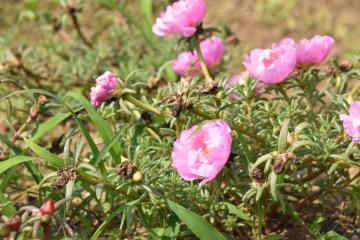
x=274, y=65
x=184, y=62
x=284, y=42
x=314, y=51
x=212, y=50
x=351, y=122
x=182, y=17
x=202, y=152
x=105, y=86
x=241, y=79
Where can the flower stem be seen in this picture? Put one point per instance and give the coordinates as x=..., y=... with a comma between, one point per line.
x=204, y=68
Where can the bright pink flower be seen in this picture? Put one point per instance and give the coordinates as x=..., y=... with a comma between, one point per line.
x=202, y=152
x=351, y=122
x=184, y=62
x=212, y=50
x=314, y=51
x=105, y=86
x=241, y=79
x=182, y=17
x=273, y=65
x=47, y=208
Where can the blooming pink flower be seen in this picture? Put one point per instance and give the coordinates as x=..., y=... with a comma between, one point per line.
x=241, y=79
x=182, y=17
x=273, y=65
x=212, y=50
x=314, y=51
x=351, y=122
x=184, y=62
x=105, y=86
x=202, y=152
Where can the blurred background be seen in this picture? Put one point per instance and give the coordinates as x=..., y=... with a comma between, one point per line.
x=257, y=23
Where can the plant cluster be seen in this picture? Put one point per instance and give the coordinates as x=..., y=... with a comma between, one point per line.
x=111, y=135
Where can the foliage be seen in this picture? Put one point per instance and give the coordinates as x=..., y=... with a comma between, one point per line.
x=53, y=78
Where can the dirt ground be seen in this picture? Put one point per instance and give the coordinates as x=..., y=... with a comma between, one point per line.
x=258, y=23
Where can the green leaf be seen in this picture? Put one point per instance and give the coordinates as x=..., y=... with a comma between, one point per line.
x=304, y=143
x=102, y=227
x=48, y=125
x=7, y=207
x=101, y=125
x=199, y=226
x=44, y=154
x=146, y=7
x=84, y=131
x=333, y=236
x=95, y=161
x=283, y=136
x=5, y=165
x=236, y=211
x=246, y=149
x=273, y=180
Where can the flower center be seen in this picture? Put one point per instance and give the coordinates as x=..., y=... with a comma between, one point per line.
x=272, y=57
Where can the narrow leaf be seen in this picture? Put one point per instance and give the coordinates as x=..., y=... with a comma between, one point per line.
x=108, y=220
x=5, y=165
x=44, y=154
x=199, y=226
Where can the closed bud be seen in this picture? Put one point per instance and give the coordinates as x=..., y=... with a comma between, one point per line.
x=220, y=94
x=14, y=223
x=345, y=66
x=137, y=177
x=47, y=208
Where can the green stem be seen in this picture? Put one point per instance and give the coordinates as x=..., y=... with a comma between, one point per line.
x=109, y=186
x=204, y=68
x=144, y=106
x=284, y=93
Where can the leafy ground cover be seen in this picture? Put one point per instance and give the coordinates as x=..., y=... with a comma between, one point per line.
x=105, y=129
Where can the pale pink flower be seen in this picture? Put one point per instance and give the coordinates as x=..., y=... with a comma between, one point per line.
x=182, y=17
x=273, y=65
x=184, y=62
x=314, y=51
x=241, y=79
x=351, y=122
x=201, y=152
x=105, y=86
x=212, y=50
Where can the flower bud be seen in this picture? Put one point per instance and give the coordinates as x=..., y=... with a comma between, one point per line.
x=47, y=208
x=14, y=223
x=137, y=177
x=345, y=66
